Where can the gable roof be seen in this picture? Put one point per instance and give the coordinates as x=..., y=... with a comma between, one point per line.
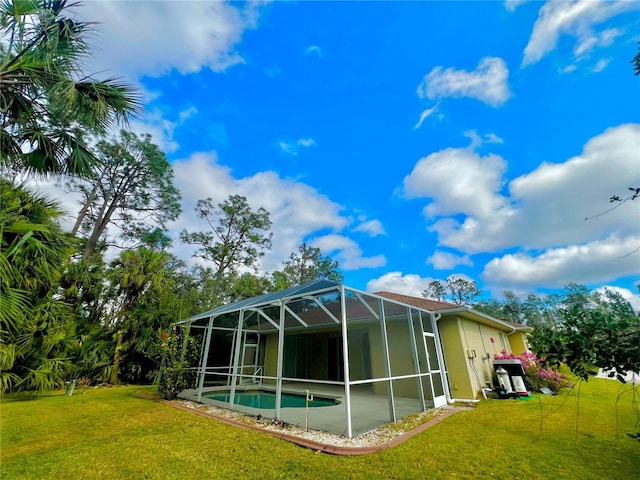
x=424, y=303
x=452, y=308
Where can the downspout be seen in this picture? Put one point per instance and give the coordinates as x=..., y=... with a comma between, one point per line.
x=514, y=330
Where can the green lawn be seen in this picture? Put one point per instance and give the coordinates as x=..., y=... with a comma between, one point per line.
x=108, y=433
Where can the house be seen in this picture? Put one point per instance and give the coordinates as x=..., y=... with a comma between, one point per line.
x=470, y=339
x=365, y=359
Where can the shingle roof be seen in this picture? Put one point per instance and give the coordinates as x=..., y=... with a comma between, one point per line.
x=424, y=303
x=436, y=306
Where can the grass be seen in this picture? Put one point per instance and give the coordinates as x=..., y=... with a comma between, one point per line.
x=108, y=433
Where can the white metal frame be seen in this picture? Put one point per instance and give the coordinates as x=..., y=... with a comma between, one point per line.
x=236, y=371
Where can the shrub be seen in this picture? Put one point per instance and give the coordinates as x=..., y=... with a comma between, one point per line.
x=179, y=354
x=536, y=375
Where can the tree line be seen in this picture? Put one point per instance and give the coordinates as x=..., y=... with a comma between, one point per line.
x=577, y=327
x=68, y=308
x=69, y=312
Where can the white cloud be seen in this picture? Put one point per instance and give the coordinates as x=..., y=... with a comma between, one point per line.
x=554, y=199
x=447, y=260
x=593, y=262
x=425, y=114
x=347, y=252
x=160, y=128
x=477, y=140
x=306, y=142
x=53, y=188
x=314, y=50
x=511, y=5
x=298, y=211
x=152, y=38
x=576, y=19
x=601, y=65
x=586, y=44
x=628, y=295
x=462, y=276
x=492, y=138
x=372, y=227
x=187, y=113
x=293, y=148
x=396, y=282
x=545, y=208
x=487, y=83
x=458, y=180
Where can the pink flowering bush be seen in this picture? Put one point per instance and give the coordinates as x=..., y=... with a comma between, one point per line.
x=536, y=375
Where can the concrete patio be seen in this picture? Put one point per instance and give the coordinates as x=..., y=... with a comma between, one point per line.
x=369, y=411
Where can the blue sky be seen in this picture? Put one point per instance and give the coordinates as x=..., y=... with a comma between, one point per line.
x=409, y=140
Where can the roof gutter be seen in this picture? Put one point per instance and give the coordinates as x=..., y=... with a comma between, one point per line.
x=480, y=314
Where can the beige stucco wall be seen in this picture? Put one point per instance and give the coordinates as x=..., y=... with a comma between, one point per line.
x=401, y=358
x=271, y=355
x=377, y=359
x=455, y=357
x=463, y=338
x=486, y=342
x=518, y=342
x=378, y=368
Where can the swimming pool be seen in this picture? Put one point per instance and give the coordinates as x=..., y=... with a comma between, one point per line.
x=265, y=399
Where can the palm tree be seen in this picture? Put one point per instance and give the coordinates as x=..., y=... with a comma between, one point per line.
x=138, y=279
x=36, y=326
x=46, y=101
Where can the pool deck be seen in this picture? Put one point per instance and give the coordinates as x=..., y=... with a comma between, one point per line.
x=369, y=411
x=312, y=444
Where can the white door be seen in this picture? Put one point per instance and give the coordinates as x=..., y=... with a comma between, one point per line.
x=249, y=361
x=437, y=379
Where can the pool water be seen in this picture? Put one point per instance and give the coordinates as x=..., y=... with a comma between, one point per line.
x=267, y=400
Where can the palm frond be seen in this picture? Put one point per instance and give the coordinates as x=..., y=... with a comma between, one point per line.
x=14, y=306
x=41, y=100
x=110, y=97
x=9, y=149
x=47, y=375
x=7, y=381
